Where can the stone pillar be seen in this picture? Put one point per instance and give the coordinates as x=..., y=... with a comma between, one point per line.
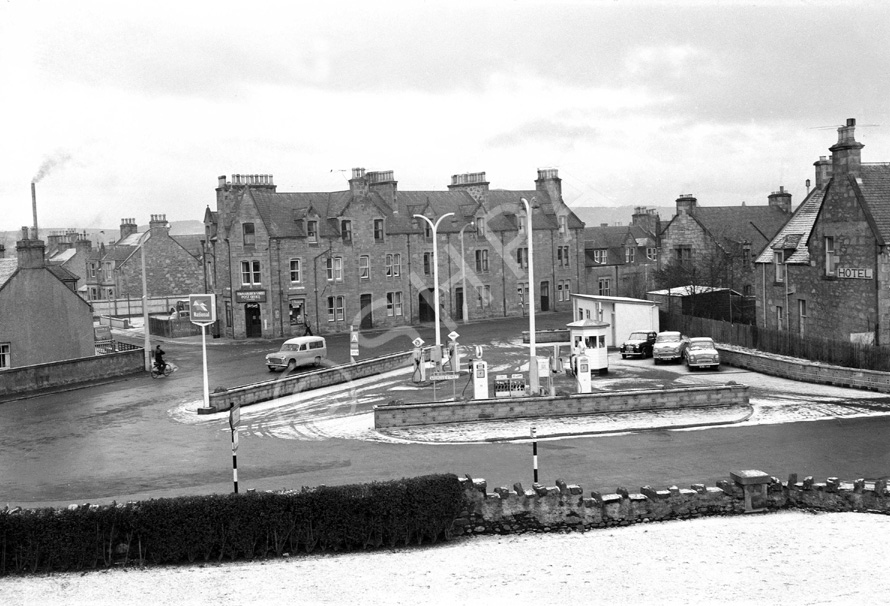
x=754, y=484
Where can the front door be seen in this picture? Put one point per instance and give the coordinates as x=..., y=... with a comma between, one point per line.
x=545, y=296
x=425, y=311
x=367, y=321
x=253, y=322
x=458, y=303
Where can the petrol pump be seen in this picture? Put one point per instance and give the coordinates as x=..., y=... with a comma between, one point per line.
x=480, y=380
x=582, y=372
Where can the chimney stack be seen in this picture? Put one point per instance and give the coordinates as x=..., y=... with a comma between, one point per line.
x=31, y=252
x=685, y=203
x=128, y=227
x=548, y=181
x=846, y=155
x=474, y=184
x=780, y=199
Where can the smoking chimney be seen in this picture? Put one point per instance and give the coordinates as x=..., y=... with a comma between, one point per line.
x=34, y=207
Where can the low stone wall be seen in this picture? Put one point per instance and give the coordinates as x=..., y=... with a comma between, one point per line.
x=564, y=507
x=68, y=372
x=244, y=395
x=405, y=415
x=804, y=370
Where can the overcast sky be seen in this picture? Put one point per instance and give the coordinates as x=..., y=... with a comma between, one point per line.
x=126, y=110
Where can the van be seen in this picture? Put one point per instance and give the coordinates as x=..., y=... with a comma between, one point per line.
x=300, y=351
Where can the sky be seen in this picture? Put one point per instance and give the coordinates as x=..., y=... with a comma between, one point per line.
x=123, y=110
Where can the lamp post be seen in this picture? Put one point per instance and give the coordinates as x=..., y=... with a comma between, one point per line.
x=465, y=311
x=533, y=380
x=146, y=342
x=436, y=273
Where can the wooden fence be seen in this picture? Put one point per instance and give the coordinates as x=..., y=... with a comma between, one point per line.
x=817, y=349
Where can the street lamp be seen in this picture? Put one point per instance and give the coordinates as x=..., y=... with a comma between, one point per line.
x=434, y=226
x=533, y=380
x=463, y=273
x=146, y=343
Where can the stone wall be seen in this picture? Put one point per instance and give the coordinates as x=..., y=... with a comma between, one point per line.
x=804, y=370
x=404, y=415
x=224, y=399
x=564, y=507
x=68, y=372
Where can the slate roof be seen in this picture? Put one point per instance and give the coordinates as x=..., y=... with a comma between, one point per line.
x=7, y=268
x=63, y=274
x=192, y=243
x=796, y=232
x=732, y=225
x=64, y=255
x=874, y=183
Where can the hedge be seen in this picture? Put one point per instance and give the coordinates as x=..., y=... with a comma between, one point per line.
x=230, y=526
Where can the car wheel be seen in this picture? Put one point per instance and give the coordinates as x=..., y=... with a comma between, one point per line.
x=623, y=356
x=271, y=369
x=291, y=364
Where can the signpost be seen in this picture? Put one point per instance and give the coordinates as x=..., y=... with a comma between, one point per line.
x=535, y=453
x=353, y=344
x=419, y=367
x=202, y=311
x=234, y=419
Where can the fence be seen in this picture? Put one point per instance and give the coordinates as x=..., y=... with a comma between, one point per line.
x=817, y=349
x=110, y=346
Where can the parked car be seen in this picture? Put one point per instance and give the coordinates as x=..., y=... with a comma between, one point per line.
x=299, y=351
x=702, y=353
x=669, y=346
x=639, y=343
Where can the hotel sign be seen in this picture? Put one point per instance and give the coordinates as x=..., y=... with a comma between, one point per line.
x=862, y=273
x=250, y=296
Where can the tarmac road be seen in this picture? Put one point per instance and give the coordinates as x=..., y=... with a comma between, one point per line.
x=129, y=440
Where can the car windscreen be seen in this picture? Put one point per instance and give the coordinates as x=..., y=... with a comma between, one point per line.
x=667, y=339
x=701, y=345
x=637, y=336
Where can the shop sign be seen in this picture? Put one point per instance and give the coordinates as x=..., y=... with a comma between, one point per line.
x=250, y=296
x=862, y=273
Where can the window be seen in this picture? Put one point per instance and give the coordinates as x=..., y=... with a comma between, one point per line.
x=346, y=230
x=312, y=231
x=109, y=293
x=92, y=270
x=378, y=230
x=520, y=219
x=335, y=269
x=521, y=289
x=780, y=317
x=364, y=267
x=248, y=233
x=521, y=258
x=5, y=356
x=482, y=260
x=601, y=255
x=629, y=254
x=651, y=253
x=335, y=309
x=684, y=254
x=427, y=231
x=480, y=228
x=295, y=311
x=568, y=288
x=393, y=264
x=250, y=273
x=830, y=256
x=228, y=313
x=562, y=256
x=562, y=225
x=394, y=304
x=483, y=297
x=427, y=262
x=604, y=286
x=559, y=292
x=779, y=260
x=296, y=273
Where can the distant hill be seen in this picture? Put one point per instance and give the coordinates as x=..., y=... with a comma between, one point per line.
x=98, y=234
x=594, y=216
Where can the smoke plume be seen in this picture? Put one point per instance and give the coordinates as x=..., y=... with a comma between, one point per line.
x=51, y=163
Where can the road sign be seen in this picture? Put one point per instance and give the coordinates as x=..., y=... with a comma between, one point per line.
x=202, y=309
x=418, y=342
x=234, y=416
x=444, y=376
x=353, y=351
x=453, y=335
x=353, y=343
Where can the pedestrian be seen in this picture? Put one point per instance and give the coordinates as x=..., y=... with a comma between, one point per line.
x=308, y=332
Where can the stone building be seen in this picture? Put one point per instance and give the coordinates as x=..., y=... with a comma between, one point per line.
x=42, y=319
x=715, y=246
x=620, y=260
x=285, y=262
x=827, y=272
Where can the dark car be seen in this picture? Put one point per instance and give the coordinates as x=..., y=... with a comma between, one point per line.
x=639, y=343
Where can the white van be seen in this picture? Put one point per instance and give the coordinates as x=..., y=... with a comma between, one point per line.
x=300, y=351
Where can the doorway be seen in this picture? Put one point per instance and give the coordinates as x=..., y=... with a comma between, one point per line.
x=425, y=311
x=545, y=296
x=458, y=303
x=367, y=321
x=253, y=322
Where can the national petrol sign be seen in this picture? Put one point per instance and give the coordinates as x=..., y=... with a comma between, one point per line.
x=202, y=309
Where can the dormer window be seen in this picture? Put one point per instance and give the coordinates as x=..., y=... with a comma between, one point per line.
x=427, y=231
x=378, y=230
x=562, y=224
x=312, y=231
x=779, y=259
x=249, y=234
x=346, y=230
x=480, y=228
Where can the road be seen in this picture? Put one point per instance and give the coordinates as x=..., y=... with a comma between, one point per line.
x=138, y=438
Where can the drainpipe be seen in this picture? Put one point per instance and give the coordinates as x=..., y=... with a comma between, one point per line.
x=763, y=290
